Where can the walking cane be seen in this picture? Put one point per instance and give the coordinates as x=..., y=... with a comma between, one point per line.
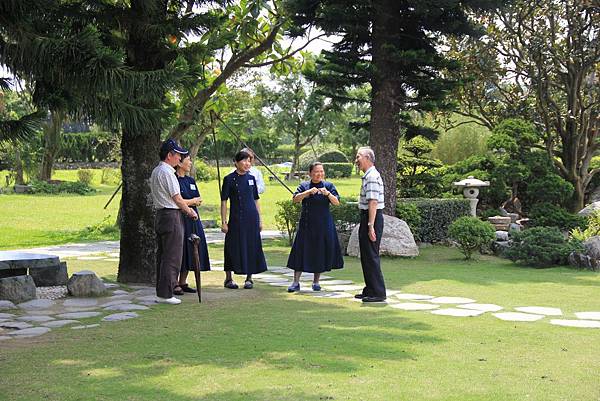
x=195, y=240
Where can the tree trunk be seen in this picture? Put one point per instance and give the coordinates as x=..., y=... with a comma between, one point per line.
x=385, y=107
x=137, y=263
x=52, y=139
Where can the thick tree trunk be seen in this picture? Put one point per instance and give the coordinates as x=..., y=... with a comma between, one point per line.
x=137, y=263
x=52, y=139
x=385, y=105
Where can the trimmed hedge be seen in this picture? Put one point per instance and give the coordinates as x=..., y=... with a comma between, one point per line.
x=338, y=170
x=436, y=215
x=326, y=155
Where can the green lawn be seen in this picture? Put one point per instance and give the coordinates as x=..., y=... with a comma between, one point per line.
x=266, y=344
x=39, y=220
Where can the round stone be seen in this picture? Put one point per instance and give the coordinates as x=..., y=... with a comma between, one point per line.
x=540, y=310
x=451, y=300
x=414, y=306
x=576, y=323
x=518, y=317
x=458, y=312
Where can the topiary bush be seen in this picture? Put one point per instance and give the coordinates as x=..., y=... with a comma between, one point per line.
x=539, y=247
x=345, y=215
x=338, y=170
x=287, y=217
x=85, y=176
x=471, y=234
x=43, y=187
x=437, y=215
x=549, y=215
x=324, y=155
x=204, y=172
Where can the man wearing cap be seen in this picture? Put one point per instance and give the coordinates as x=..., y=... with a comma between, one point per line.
x=168, y=222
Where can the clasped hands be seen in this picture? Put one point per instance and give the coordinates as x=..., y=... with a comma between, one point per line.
x=322, y=191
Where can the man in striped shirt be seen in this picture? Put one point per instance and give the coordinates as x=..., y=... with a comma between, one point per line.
x=371, y=203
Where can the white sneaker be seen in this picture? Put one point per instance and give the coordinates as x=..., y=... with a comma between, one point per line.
x=170, y=301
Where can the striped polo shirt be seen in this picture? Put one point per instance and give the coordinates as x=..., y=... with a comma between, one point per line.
x=371, y=188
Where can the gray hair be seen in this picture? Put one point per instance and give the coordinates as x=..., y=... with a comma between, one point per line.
x=249, y=151
x=367, y=152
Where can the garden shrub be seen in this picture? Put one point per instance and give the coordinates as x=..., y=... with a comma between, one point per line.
x=338, y=170
x=489, y=213
x=436, y=215
x=43, y=187
x=539, y=247
x=204, y=172
x=411, y=216
x=549, y=215
x=345, y=215
x=85, y=176
x=471, y=234
x=287, y=217
x=110, y=176
x=324, y=155
x=593, y=228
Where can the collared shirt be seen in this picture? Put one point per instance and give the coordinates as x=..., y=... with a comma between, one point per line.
x=260, y=182
x=371, y=188
x=163, y=186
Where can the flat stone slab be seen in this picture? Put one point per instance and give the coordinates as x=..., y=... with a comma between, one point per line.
x=334, y=295
x=126, y=307
x=414, y=306
x=273, y=279
x=87, y=326
x=2, y=338
x=15, y=325
x=81, y=302
x=35, y=318
x=588, y=315
x=26, y=260
x=347, y=287
x=7, y=315
x=452, y=300
x=481, y=307
x=121, y=296
x=518, y=317
x=37, y=304
x=458, y=312
x=337, y=282
x=78, y=315
x=147, y=298
x=7, y=305
x=576, y=323
x=110, y=286
x=281, y=284
x=117, y=302
x=540, y=310
x=30, y=332
x=59, y=323
x=120, y=292
x=144, y=291
x=120, y=316
x=390, y=293
x=414, y=297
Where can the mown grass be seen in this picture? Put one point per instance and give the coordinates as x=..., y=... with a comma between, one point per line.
x=38, y=220
x=266, y=344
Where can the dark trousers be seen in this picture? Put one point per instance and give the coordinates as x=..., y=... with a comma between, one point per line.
x=369, y=255
x=169, y=230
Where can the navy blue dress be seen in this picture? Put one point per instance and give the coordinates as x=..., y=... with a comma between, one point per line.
x=316, y=248
x=189, y=190
x=243, y=245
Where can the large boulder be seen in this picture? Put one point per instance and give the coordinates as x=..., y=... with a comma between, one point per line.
x=85, y=284
x=50, y=276
x=17, y=289
x=589, y=209
x=397, y=239
x=592, y=247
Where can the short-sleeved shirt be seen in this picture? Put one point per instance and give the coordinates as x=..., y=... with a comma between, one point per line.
x=371, y=188
x=258, y=177
x=163, y=186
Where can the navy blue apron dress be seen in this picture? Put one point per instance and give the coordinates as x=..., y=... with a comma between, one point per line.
x=189, y=190
x=316, y=248
x=243, y=245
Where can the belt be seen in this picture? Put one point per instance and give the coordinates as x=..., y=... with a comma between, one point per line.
x=167, y=209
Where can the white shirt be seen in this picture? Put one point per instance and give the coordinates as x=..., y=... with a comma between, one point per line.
x=371, y=188
x=163, y=186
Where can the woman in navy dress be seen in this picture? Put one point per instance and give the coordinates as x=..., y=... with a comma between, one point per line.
x=191, y=195
x=243, y=246
x=316, y=248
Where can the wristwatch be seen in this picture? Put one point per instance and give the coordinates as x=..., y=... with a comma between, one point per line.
x=370, y=224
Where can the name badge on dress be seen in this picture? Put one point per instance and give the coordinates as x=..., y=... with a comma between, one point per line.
x=192, y=187
x=250, y=182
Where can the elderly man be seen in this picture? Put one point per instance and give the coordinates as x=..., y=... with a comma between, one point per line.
x=168, y=222
x=254, y=171
x=371, y=227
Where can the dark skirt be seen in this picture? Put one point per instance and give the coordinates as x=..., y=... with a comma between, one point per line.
x=187, y=262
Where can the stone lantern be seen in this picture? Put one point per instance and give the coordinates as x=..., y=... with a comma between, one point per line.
x=470, y=187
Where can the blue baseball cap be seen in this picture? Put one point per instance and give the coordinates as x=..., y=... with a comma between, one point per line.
x=171, y=146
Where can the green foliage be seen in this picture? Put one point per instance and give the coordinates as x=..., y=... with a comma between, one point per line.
x=549, y=215
x=548, y=188
x=287, y=218
x=93, y=146
x=324, y=155
x=43, y=187
x=471, y=234
x=489, y=213
x=436, y=216
x=85, y=176
x=460, y=143
x=592, y=229
x=539, y=247
x=345, y=215
x=338, y=170
x=204, y=172
x=417, y=175
x=110, y=176
x=409, y=212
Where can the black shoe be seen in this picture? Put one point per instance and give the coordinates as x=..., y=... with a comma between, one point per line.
x=373, y=299
x=187, y=288
x=230, y=284
x=248, y=284
x=359, y=296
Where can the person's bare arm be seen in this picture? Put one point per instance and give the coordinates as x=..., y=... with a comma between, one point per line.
x=301, y=195
x=194, y=201
x=372, y=214
x=181, y=203
x=224, y=226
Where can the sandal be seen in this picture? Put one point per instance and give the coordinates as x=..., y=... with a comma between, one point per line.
x=177, y=290
x=230, y=284
x=248, y=284
x=187, y=288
